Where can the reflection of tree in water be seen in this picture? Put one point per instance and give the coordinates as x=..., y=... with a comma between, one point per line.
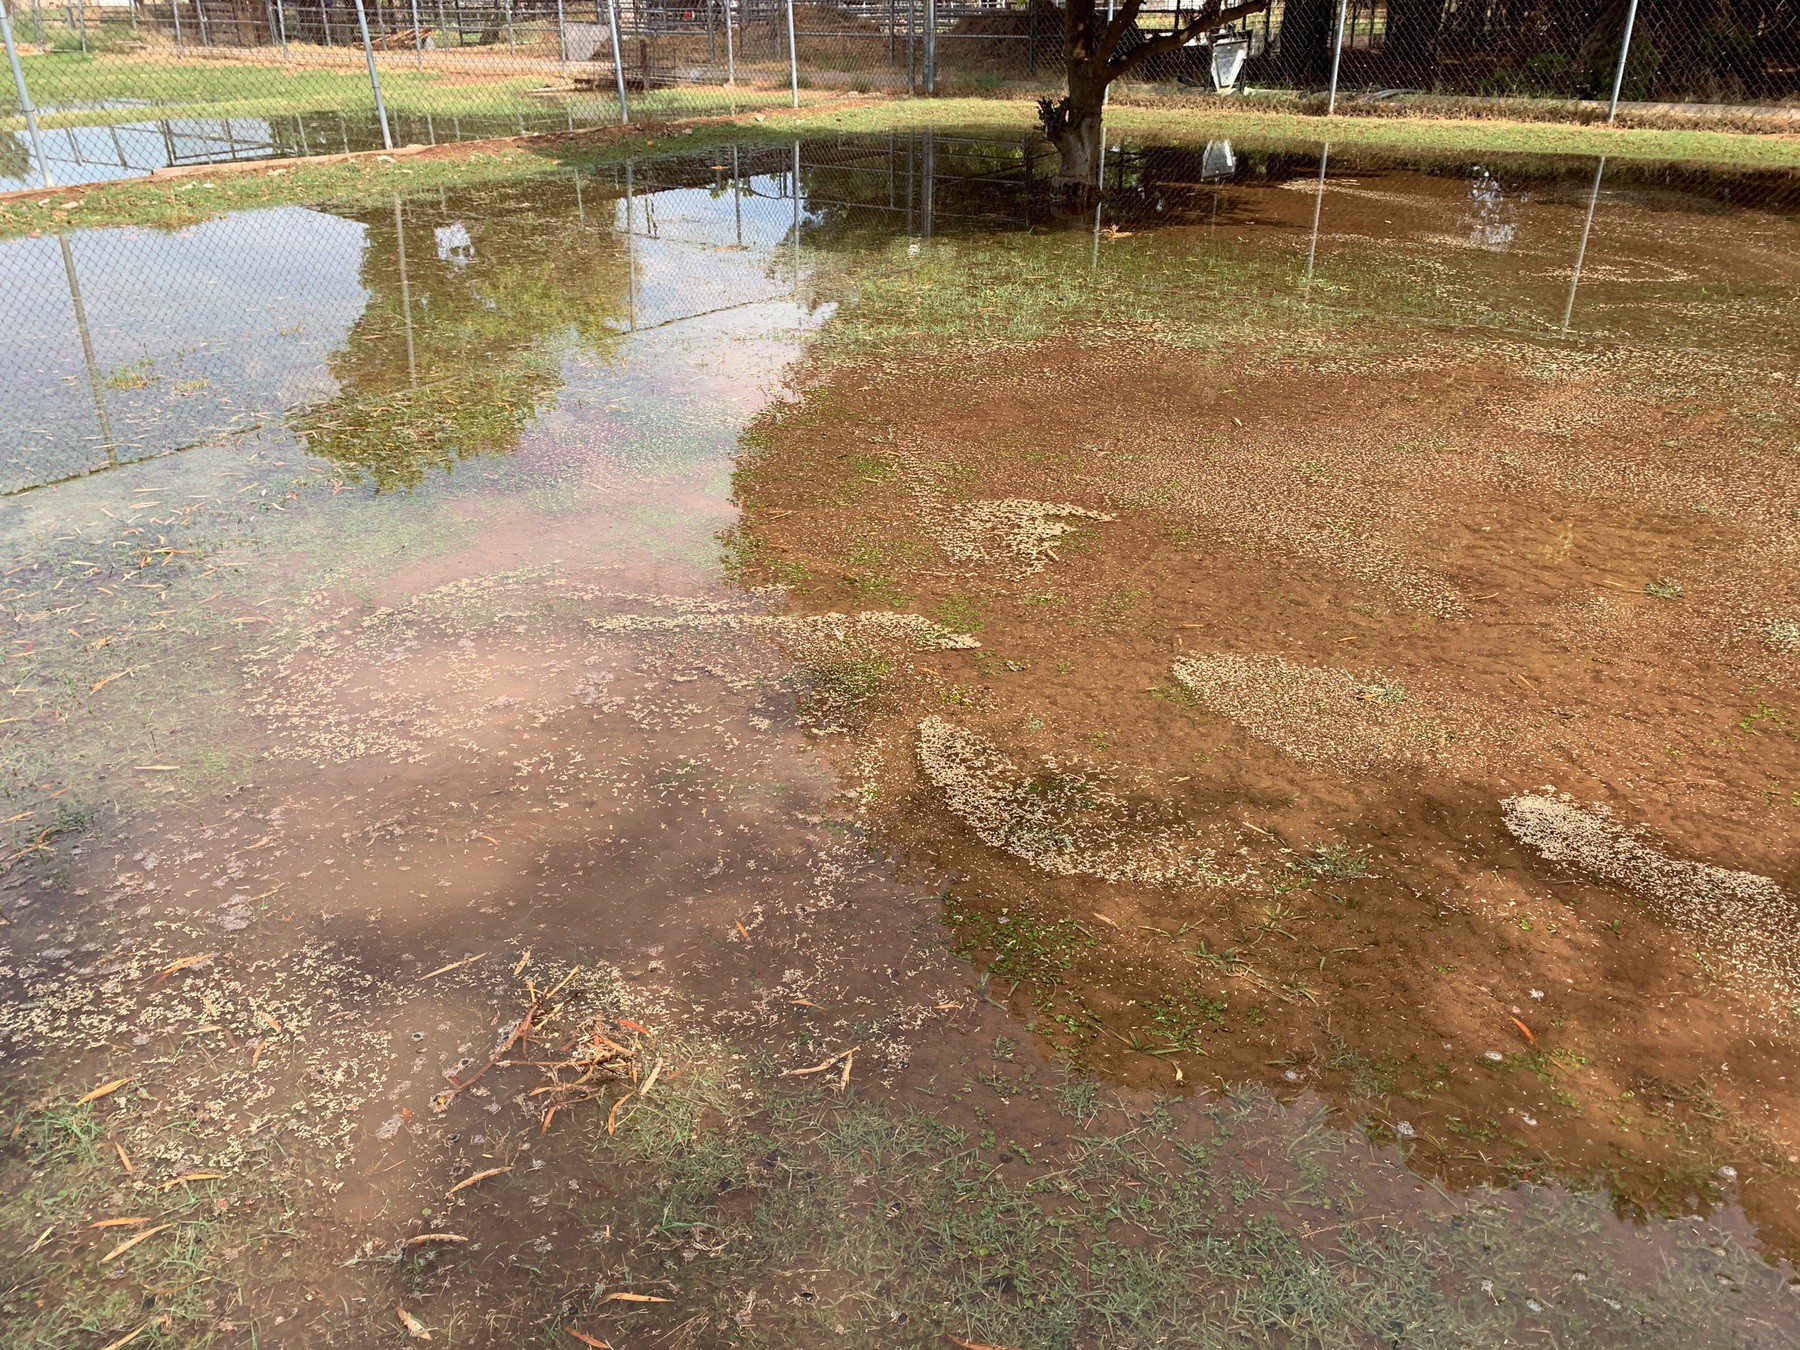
x=502, y=286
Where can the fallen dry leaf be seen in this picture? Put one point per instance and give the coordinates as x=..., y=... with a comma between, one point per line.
x=470, y=1181
x=131, y=1242
x=414, y=1327
x=454, y=965
x=190, y=1176
x=633, y=1298
x=423, y=1238
x=102, y=1090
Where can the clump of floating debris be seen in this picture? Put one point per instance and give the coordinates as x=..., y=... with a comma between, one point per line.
x=1064, y=822
x=1747, y=916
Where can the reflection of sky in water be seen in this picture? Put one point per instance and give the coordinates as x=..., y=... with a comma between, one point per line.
x=97, y=154
x=231, y=322
x=190, y=330
x=740, y=240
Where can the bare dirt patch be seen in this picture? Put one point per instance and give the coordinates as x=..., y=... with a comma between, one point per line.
x=1323, y=619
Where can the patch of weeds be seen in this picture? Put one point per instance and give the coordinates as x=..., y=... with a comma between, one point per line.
x=1339, y=862
x=1385, y=692
x=1178, y=694
x=1375, y=1075
x=863, y=468
x=747, y=561
x=1078, y=1097
x=842, y=680
x=1663, y=589
x=136, y=375
x=1112, y=610
x=1765, y=715
x=1025, y=949
x=1180, y=1018
x=867, y=567
x=993, y=663
x=959, y=613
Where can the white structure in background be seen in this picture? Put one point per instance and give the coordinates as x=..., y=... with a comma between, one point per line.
x=1229, y=52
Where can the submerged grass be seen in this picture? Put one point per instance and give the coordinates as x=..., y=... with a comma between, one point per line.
x=801, y=1219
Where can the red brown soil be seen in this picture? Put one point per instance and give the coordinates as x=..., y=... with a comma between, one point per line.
x=1481, y=536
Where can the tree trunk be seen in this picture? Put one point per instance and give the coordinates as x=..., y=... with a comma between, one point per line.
x=1307, y=30
x=1076, y=127
x=1412, y=30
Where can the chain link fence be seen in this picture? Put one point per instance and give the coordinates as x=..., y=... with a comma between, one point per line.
x=128, y=86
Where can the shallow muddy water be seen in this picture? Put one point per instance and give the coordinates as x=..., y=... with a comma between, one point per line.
x=419, y=606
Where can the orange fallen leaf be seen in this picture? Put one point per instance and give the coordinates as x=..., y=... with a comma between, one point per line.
x=974, y=1345
x=190, y=1176
x=638, y=1027
x=612, y=1116
x=125, y=1159
x=102, y=1090
x=423, y=1238
x=120, y=1223
x=586, y=1339
x=182, y=964
x=633, y=1298
x=466, y=1182
x=1527, y=1030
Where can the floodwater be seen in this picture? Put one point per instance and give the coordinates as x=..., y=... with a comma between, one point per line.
x=131, y=147
x=383, y=644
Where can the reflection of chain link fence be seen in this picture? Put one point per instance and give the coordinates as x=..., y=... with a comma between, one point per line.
x=126, y=86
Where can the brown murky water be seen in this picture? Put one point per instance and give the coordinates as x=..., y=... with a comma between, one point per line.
x=528, y=584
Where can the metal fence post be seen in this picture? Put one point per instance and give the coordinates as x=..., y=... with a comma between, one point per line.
x=931, y=46
x=418, y=39
x=562, y=41
x=793, y=54
x=1337, y=56
x=18, y=73
x=281, y=26
x=612, y=26
x=175, y=12
x=1612, y=110
x=362, y=22
x=730, y=50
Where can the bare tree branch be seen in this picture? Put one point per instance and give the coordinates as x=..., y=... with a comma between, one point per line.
x=1212, y=17
x=1120, y=25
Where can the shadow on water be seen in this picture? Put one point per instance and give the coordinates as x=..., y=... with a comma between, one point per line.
x=377, y=664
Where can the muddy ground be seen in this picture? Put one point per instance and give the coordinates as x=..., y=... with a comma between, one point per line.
x=1403, y=728
x=912, y=809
